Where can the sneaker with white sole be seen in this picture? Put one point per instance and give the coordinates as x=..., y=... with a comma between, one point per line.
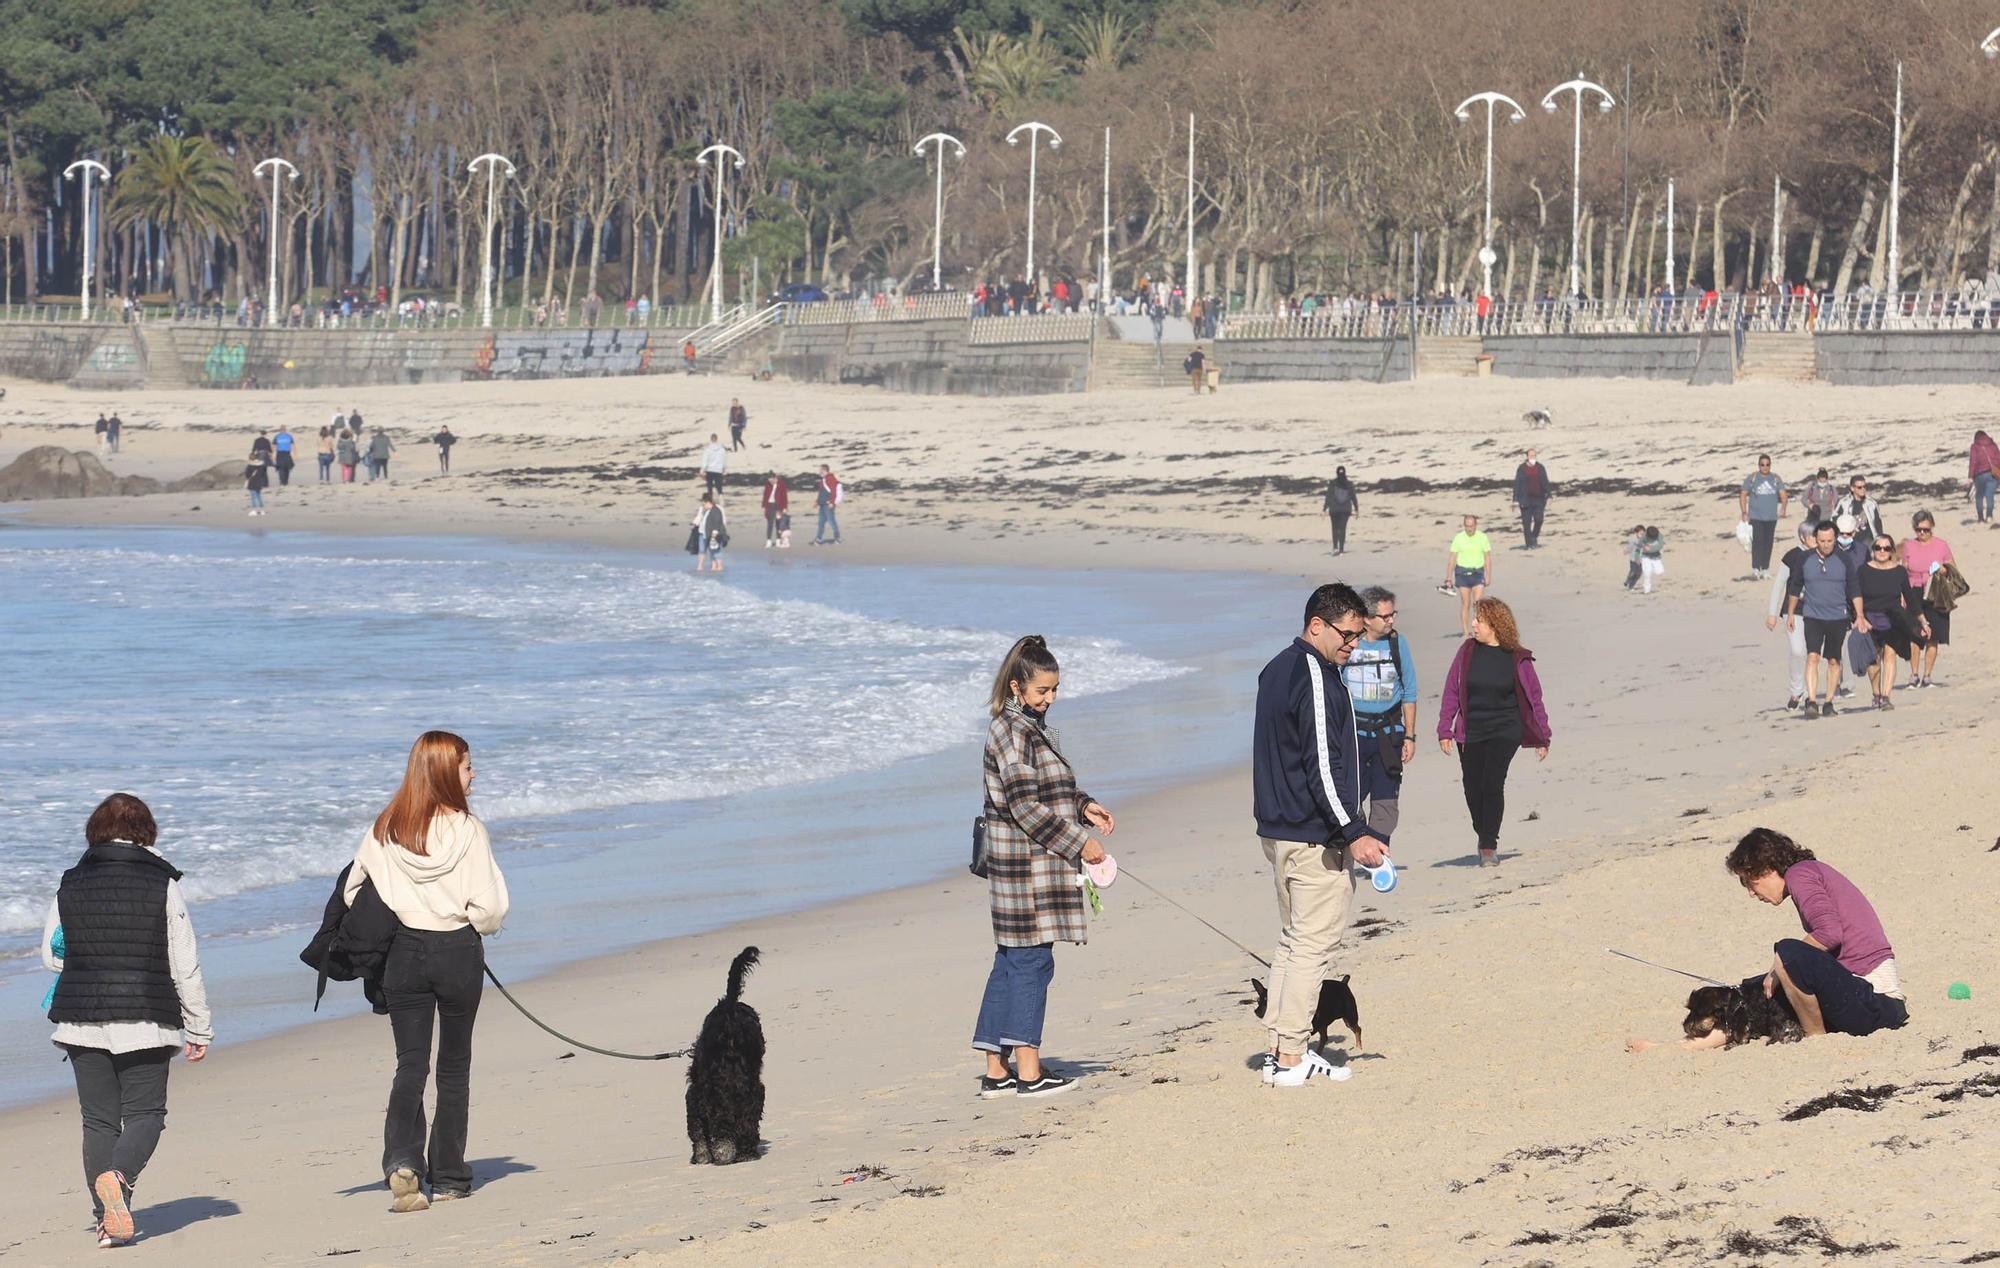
x=1311, y=1066
x=1047, y=1085
x=113, y=1197
x=990, y=1087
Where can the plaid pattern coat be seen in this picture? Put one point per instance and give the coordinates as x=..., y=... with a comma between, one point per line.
x=1035, y=834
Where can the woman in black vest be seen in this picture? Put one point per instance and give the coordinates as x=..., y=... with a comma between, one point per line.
x=130, y=994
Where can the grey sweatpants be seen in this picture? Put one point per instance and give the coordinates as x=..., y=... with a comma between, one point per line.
x=124, y=1101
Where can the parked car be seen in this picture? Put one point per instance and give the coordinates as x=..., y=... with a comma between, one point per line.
x=798, y=293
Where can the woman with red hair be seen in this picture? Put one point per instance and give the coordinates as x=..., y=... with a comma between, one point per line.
x=431, y=863
x=1492, y=708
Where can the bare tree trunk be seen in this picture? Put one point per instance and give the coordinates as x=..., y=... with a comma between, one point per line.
x=1507, y=283
x=1878, y=264
x=1811, y=275
x=1750, y=259
x=1652, y=243
x=1694, y=248
x=1854, y=236
x=1993, y=224
x=1718, y=278
x=1534, y=270
x=1625, y=253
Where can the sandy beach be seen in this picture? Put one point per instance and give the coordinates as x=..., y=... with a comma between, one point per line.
x=1494, y=1116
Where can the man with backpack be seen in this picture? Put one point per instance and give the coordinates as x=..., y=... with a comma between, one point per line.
x=1382, y=682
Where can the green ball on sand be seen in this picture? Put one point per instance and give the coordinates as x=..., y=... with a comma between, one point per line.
x=1958, y=990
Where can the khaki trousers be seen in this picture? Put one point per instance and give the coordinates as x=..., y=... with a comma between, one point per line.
x=1315, y=897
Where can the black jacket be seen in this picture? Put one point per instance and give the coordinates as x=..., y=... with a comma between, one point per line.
x=352, y=942
x=113, y=906
x=1305, y=757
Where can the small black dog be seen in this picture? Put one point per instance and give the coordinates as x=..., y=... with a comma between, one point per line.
x=725, y=1096
x=1336, y=1004
x=1743, y=1013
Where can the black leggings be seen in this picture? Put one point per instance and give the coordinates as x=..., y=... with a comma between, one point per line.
x=1340, y=532
x=432, y=981
x=1484, y=765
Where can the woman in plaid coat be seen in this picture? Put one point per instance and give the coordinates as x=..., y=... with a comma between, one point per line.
x=1037, y=839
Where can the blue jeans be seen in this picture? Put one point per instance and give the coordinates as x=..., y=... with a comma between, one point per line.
x=1017, y=999
x=826, y=521
x=256, y=498
x=1982, y=494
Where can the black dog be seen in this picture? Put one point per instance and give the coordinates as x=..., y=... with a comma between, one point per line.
x=1336, y=1004
x=1743, y=1013
x=725, y=1097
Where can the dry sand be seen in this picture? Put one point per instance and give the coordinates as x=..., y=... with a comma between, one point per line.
x=1494, y=1117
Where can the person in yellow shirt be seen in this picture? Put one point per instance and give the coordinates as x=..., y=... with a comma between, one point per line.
x=1470, y=570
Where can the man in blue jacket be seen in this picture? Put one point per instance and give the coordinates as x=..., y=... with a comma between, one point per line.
x=1306, y=771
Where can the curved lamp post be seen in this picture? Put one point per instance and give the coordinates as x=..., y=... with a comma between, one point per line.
x=1604, y=103
x=276, y=165
x=1492, y=100
x=1034, y=131
x=494, y=163
x=937, y=212
x=103, y=173
x=715, y=253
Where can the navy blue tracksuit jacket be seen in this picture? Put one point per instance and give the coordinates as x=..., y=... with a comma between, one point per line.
x=1305, y=758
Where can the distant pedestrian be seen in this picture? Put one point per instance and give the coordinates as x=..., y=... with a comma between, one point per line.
x=256, y=478
x=827, y=499
x=1895, y=618
x=1925, y=555
x=777, y=510
x=130, y=996
x=1635, y=537
x=260, y=449
x=1531, y=495
x=688, y=355
x=326, y=451
x=1340, y=502
x=1652, y=558
x=739, y=418
x=711, y=534
x=1820, y=497
x=350, y=455
x=1761, y=503
x=1195, y=366
x=114, y=428
x=444, y=440
x=1491, y=709
x=714, y=461
x=1468, y=570
x=379, y=449
x=100, y=429
x=1866, y=511
x=1982, y=475
x=282, y=445
x=1825, y=593
x=1795, y=637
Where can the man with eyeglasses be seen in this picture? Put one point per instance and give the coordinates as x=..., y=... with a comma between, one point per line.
x=1306, y=780
x=1826, y=591
x=1762, y=503
x=1856, y=502
x=1381, y=678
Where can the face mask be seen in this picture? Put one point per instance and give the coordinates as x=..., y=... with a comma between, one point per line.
x=1845, y=541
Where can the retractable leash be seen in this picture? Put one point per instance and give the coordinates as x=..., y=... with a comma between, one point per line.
x=1683, y=972
x=590, y=1047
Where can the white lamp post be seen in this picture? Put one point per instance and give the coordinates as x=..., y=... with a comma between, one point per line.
x=1670, y=234
x=1896, y=194
x=1104, y=254
x=1605, y=103
x=276, y=165
x=1189, y=281
x=715, y=253
x=937, y=211
x=1492, y=100
x=1034, y=131
x=89, y=241
x=494, y=163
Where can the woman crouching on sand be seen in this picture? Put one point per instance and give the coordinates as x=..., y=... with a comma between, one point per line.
x=431, y=864
x=129, y=997
x=1492, y=708
x=1037, y=839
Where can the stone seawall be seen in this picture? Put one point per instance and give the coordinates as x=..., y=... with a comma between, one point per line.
x=932, y=358
x=1886, y=358
x=1676, y=357
x=1276, y=360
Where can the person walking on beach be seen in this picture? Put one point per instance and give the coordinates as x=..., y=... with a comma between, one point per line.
x=1824, y=590
x=1468, y=570
x=1795, y=637
x=1856, y=502
x=1037, y=830
x=827, y=499
x=1761, y=503
x=1635, y=538
x=739, y=418
x=379, y=450
x=114, y=427
x=1306, y=777
x=1381, y=677
x=325, y=455
x=1492, y=708
x=256, y=478
x=1652, y=558
x=100, y=429
x=1820, y=497
x=431, y=863
x=1895, y=617
x=444, y=440
x=130, y=996
x=711, y=534
x=1531, y=494
x=1982, y=475
x=777, y=503
x=350, y=456
x=1341, y=502
x=281, y=445
x=1925, y=554
x=714, y=461
x=1195, y=366
x=260, y=449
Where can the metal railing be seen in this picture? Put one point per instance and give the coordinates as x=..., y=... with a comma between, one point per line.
x=1463, y=320
x=832, y=312
x=440, y=315
x=746, y=324
x=1034, y=328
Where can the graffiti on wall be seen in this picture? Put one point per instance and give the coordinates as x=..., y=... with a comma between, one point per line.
x=223, y=364
x=544, y=354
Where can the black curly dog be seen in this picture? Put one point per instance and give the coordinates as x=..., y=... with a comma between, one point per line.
x=1743, y=1013
x=725, y=1097
x=1336, y=1004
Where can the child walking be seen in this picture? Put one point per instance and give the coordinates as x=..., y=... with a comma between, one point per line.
x=1651, y=565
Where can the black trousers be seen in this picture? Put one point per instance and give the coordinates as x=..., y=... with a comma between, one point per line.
x=1762, y=534
x=1483, y=764
x=735, y=437
x=432, y=981
x=284, y=469
x=1340, y=532
x=1531, y=522
x=714, y=478
x=123, y=1097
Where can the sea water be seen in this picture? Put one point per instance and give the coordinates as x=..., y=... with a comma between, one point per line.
x=658, y=752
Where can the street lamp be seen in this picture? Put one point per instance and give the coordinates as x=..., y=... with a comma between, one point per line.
x=1492, y=100
x=1034, y=131
x=276, y=165
x=89, y=242
x=494, y=163
x=715, y=254
x=937, y=213
x=1896, y=192
x=1604, y=104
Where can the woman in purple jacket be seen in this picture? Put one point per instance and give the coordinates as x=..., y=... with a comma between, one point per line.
x=1492, y=709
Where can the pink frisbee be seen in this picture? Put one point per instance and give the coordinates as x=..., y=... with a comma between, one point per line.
x=1102, y=874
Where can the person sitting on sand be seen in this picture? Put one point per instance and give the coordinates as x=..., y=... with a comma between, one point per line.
x=1841, y=977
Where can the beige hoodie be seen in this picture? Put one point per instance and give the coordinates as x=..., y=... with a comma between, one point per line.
x=456, y=884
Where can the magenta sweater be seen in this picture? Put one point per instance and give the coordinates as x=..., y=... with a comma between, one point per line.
x=1527, y=693
x=1838, y=916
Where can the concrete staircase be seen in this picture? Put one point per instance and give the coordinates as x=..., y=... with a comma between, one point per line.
x=1448, y=356
x=161, y=358
x=1118, y=364
x=1769, y=355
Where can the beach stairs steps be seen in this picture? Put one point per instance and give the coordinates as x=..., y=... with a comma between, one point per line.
x=1115, y=364
x=160, y=359
x=1778, y=356
x=1448, y=356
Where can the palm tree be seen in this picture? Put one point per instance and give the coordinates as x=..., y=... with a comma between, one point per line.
x=186, y=187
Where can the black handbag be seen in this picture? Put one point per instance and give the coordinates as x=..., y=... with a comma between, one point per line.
x=978, y=867
x=694, y=541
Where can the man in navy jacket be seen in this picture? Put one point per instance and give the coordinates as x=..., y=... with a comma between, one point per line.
x=1306, y=770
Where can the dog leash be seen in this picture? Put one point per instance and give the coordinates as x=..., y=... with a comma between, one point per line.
x=1129, y=875
x=604, y=1052
x=1683, y=972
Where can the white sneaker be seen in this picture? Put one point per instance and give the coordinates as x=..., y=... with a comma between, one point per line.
x=1311, y=1066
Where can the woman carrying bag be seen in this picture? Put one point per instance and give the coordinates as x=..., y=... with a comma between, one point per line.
x=1037, y=839
x=432, y=865
x=708, y=534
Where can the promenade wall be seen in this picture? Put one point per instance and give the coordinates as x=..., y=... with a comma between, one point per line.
x=1332, y=360
x=932, y=358
x=1679, y=358
x=1889, y=358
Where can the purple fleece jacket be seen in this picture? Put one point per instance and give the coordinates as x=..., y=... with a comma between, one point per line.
x=1838, y=916
x=1527, y=692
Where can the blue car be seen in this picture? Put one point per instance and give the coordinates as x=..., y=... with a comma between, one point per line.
x=798, y=293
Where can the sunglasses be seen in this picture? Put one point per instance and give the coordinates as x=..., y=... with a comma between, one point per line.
x=1882, y=549
x=1923, y=528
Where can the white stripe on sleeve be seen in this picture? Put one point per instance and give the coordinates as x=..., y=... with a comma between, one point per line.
x=1319, y=740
